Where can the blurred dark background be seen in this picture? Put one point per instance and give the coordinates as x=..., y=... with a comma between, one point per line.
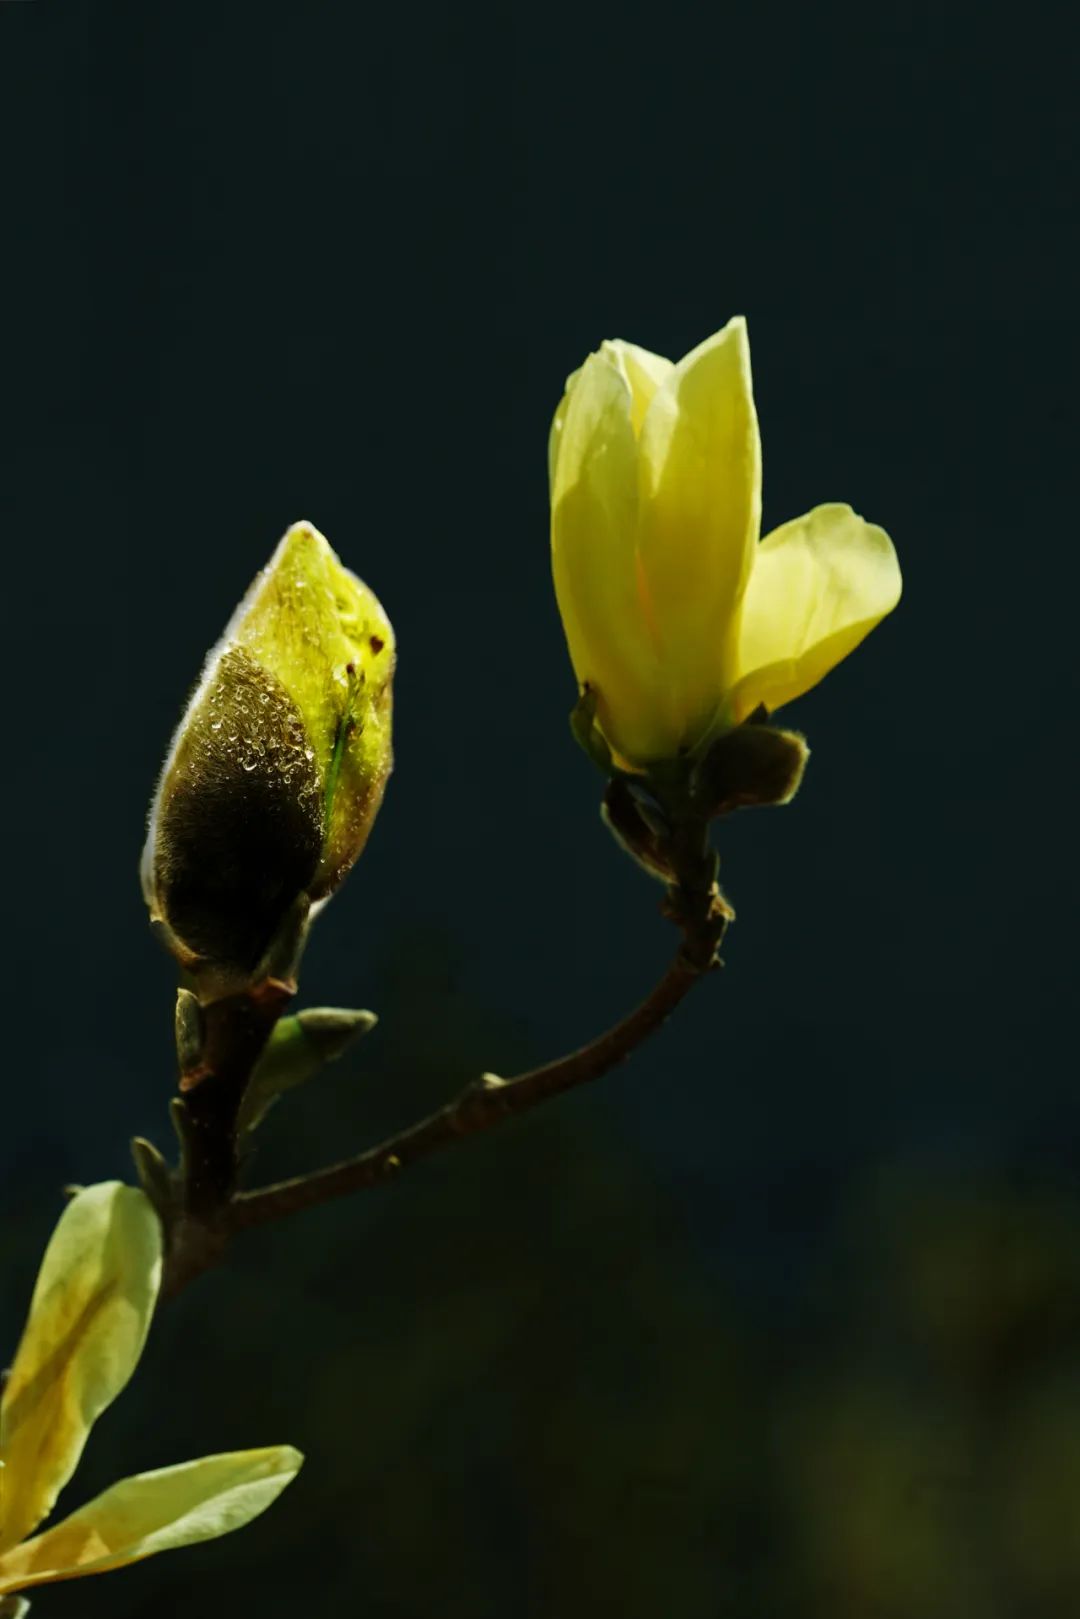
x=782, y=1319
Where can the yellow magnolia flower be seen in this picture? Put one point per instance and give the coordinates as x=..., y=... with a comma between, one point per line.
x=89, y=1317
x=278, y=766
x=679, y=620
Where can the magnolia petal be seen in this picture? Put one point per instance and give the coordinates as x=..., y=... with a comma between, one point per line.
x=88, y=1321
x=593, y=533
x=556, y=431
x=818, y=586
x=700, y=515
x=154, y=1512
x=644, y=371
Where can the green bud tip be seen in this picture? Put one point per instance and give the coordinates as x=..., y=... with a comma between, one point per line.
x=299, y=1048
x=332, y=1029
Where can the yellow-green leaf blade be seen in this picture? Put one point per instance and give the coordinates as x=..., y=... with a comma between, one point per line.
x=88, y=1321
x=154, y=1512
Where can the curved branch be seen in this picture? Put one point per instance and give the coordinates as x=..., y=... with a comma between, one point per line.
x=201, y=1227
x=480, y=1106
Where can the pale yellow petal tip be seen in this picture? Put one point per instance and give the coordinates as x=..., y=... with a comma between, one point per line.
x=883, y=542
x=620, y=352
x=735, y=331
x=571, y=382
x=601, y=400
x=596, y=369
x=875, y=542
x=605, y=359
x=732, y=340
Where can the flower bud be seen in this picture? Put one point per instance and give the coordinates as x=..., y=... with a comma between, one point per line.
x=752, y=766
x=278, y=766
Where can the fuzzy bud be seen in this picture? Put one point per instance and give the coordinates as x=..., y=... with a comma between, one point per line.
x=278, y=767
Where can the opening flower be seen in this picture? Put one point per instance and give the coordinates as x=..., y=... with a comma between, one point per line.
x=680, y=620
x=88, y=1321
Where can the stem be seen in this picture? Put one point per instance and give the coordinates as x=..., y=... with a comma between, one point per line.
x=213, y=1211
x=693, y=901
x=236, y=1031
x=480, y=1106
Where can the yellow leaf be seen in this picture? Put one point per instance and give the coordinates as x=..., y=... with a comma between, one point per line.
x=88, y=1321
x=154, y=1512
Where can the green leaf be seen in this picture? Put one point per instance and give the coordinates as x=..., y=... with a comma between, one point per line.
x=299, y=1048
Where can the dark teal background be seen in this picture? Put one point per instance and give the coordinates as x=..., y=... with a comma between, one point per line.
x=783, y=1319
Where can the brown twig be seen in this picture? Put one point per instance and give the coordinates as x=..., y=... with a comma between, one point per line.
x=480, y=1106
x=693, y=902
x=207, y=1221
x=235, y=1032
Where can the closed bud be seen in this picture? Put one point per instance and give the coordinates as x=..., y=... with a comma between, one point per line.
x=278, y=766
x=753, y=765
x=155, y=1179
x=638, y=827
x=299, y=1048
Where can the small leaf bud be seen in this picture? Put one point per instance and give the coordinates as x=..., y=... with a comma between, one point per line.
x=752, y=765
